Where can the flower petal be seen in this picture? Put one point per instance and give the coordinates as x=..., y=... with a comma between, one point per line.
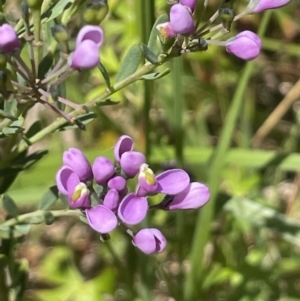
x=193, y=197
x=117, y=182
x=124, y=144
x=103, y=170
x=172, y=181
x=111, y=199
x=101, y=219
x=131, y=162
x=66, y=180
x=75, y=159
x=90, y=32
x=181, y=19
x=150, y=240
x=9, y=40
x=133, y=209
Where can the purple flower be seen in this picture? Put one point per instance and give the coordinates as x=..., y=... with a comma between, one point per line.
x=131, y=162
x=257, y=6
x=9, y=40
x=149, y=241
x=103, y=169
x=101, y=219
x=78, y=162
x=166, y=30
x=68, y=183
x=193, y=197
x=181, y=19
x=124, y=144
x=92, y=33
x=171, y=182
x=88, y=42
x=132, y=209
x=111, y=200
x=189, y=3
x=246, y=45
x=118, y=183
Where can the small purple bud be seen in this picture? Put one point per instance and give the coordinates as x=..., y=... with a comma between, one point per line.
x=181, y=19
x=132, y=209
x=131, y=162
x=111, y=200
x=77, y=161
x=118, y=183
x=103, y=170
x=189, y=3
x=90, y=32
x=124, y=144
x=257, y=6
x=172, y=181
x=101, y=219
x=246, y=45
x=9, y=40
x=80, y=197
x=85, y=56
x=193, y=197
x=149, y=241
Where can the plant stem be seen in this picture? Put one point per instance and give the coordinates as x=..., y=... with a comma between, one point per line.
x=40, y=213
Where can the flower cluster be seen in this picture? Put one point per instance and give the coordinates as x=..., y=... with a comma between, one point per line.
x=181, y=34
x=113, y=204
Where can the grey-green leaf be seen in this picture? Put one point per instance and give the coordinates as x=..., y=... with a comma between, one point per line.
x=49, y=198
x=153, y=43
x=156, y=75
x=130, y=63
x=10, y=206
x=149, y=54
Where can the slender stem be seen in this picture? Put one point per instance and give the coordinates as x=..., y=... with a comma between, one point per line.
x=55, y=74
x=37, y=43
x=148, y=67
x=21, y=64
x=40, y=213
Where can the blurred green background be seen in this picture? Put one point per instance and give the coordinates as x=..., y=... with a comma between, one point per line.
x=206, y=117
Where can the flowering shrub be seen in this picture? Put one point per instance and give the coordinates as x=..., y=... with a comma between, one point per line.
x=38, y=55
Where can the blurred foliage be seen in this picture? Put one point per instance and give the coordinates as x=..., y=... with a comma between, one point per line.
x=253, y=253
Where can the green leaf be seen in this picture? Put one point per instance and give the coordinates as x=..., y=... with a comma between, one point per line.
x=149, y=55
x=21, y=229
x=152, y=42
x=5, y=231
x=259, y=215
x=12, y=130
x=4, y=114
x=107, y=102
x=49, y=218
x=34, y=128
x=10, y=206
x=49, y=198
x=104, y=74
x=56, y=10
x=130, y=63
x=11, y=107
x=45, y=65
x=156, y=75
x=84, y=119
x=64, y=200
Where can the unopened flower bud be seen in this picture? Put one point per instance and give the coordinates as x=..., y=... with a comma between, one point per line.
x=131, y=162
x=61, y=36
x=257, y=6
x=95, y=12
x=103, y=170
x=227, y=16
x=181, y=19
x=9, y=40
x=189, y=3
x=246, y=45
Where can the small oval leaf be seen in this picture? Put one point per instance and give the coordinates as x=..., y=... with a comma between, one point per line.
x=10, y=206
x=49, y=198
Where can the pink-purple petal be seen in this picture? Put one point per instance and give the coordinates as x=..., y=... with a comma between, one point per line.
x=117, y=182
x=149, y=241
x=103, y=169
x=90, y=32
x=101, y=219
x=124, y=144
x=194, y=196
x=111, y=199
x=131, y=162
x=133, y=209
x=66, y=180
x=172, y=181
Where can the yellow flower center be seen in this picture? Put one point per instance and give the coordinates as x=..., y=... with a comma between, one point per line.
x=148, y=174
x=80, y=190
